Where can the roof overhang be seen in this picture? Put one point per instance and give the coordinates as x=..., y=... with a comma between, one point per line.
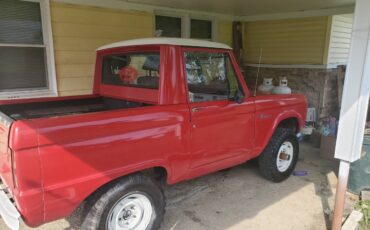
x=237, y=10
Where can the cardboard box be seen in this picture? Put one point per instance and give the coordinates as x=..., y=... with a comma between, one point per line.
x=315, y=139
x=327, y=147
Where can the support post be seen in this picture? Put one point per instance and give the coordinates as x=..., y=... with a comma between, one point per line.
x=340, y=194
x=354, y=104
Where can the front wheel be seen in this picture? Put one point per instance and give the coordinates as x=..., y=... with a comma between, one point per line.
x=280, y=156
x=132, y=203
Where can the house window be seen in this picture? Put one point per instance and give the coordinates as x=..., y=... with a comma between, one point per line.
x=201, y=29
x=168, y=26
x=26, y=60
x=183, y=25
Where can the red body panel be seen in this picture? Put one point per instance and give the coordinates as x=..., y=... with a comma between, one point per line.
x=271, y=110
x=60, y=161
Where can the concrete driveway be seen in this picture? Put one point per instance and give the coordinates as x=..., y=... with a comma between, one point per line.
x=239, y=198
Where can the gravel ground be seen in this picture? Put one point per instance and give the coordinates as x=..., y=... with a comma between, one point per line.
x=238, y=199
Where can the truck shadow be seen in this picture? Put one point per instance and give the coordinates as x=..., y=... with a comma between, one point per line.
x=239, y=198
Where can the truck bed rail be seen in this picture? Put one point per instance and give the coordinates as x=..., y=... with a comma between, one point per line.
x=5, y=120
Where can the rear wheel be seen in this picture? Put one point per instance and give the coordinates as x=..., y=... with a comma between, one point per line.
x=132, y=203
x=280, y=156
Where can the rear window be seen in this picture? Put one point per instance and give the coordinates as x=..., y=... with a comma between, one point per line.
x=132, y=69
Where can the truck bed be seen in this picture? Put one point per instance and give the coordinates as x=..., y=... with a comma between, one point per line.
x=65, y=107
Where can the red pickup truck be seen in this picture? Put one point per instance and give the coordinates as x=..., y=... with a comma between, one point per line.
x=161, y=108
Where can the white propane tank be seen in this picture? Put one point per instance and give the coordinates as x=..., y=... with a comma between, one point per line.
x=282, y=88
x=266, y=86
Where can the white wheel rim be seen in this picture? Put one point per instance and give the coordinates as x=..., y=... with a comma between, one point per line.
x=285, y=156
x=132, y=212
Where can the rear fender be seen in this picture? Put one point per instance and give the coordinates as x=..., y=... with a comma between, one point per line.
x=85, y=187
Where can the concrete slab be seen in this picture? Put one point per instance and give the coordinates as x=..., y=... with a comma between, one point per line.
x=239, y=198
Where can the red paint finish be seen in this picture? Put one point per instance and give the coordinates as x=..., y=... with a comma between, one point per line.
x=52, y=164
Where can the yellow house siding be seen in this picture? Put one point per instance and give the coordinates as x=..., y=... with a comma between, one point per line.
x=224, y=32
x=288, y=41
x=340, y=38
x=79, y=30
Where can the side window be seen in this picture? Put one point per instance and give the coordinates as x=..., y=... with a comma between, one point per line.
x=132, y=69
x=211, y=76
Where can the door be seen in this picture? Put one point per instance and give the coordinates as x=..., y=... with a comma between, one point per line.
x=221, y=117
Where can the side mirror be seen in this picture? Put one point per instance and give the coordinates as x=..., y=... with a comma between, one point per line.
x=238, y=97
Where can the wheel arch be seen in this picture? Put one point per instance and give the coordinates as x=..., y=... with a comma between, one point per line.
x=162, y=170
x=291, y=119
x=289, y=123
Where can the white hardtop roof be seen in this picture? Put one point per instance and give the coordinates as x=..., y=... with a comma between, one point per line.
x=167, y=41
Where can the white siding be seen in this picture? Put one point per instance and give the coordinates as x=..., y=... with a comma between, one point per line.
x=340, y=38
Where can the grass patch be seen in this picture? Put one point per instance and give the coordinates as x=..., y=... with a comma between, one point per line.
x=364, y=207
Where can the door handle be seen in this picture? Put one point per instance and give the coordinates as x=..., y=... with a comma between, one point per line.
x=197, y=109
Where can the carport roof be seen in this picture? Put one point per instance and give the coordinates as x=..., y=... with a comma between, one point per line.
x=247, y=7
x=236, y=10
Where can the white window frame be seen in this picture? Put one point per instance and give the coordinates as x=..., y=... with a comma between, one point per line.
x=51, y=91
x=186, y=22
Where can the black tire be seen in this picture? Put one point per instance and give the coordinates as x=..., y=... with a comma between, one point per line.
x=100, y=204
x=268, y=159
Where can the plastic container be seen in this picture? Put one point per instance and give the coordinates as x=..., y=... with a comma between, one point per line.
x=282, y=88
x=266, y=87
x=311, y=115
x=359, y=175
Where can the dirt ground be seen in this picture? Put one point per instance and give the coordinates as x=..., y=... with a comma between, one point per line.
x=239, y=198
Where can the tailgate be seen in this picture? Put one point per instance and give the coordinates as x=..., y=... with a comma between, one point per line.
x=5, y=156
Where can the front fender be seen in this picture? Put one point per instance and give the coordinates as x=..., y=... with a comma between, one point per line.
x=264, y=138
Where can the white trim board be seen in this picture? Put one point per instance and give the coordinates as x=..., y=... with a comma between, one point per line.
x=49, y=43
x=123, y=5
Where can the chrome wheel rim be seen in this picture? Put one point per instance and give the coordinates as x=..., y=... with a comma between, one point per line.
x=132, y=212
x=285, y=156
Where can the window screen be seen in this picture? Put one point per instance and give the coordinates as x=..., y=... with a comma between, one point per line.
x=20, y=22
x=132, y=69
x=168, y=26
x=201, y=29
x=22, y=49
x=22, y=68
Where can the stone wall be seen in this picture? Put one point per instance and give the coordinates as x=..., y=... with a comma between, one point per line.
x=320, y=86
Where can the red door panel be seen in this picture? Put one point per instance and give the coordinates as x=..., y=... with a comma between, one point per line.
x=220, y=130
